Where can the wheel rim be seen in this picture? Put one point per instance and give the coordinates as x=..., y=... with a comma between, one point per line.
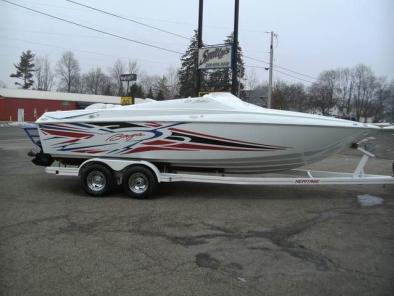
x=138, y=183
x=96, y=181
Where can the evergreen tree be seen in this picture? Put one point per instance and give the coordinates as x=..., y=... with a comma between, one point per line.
x=150, y=94
x=162, y=89
x=221, y=79
x=136, y=91
x=24, y=70
x=188, y=71
x=160, y=95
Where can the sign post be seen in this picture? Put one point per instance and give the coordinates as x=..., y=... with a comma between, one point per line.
x=235, y=86
x=126, y=101
x=199, y=40
x=128, y=78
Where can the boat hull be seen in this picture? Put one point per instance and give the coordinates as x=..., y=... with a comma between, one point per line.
x=232, y=147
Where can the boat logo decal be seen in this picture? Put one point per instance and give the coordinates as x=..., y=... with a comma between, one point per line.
x=307, y=181
x=129, y=137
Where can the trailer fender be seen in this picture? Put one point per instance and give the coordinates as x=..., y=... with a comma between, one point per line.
x=118, y=165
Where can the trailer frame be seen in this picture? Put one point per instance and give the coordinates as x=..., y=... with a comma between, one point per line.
x=295, y=177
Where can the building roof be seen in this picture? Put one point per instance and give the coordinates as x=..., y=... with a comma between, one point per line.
x=58, y=96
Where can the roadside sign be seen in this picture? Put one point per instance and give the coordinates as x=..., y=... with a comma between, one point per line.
x=202, y=93
x=214, y=57
x=128, y=77
x=126, y=100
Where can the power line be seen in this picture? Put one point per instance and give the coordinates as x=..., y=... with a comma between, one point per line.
x=93, y=29
x=293, y=76
x=56, y=33
x=161, y=20
x=144, y=43
x=284, y=73
x=82, y=50
x=51, y=33
x=280, y=67
x=164, y=20
x=128, y=19
x=175, y=34
x=257, y=60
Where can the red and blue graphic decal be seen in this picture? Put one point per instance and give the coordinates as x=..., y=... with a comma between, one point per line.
x=119, y=138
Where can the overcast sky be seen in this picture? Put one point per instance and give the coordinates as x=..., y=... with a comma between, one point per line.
x=313, y=35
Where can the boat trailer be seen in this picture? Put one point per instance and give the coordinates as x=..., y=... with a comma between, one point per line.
x=140, y=178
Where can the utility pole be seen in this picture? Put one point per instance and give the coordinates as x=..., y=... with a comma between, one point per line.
x=199, y=43
x=270, y=70
x=234, y=85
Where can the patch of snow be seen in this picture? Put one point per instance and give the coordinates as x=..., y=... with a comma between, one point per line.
x=16, y=124
x=367, y=200
x=101, y=106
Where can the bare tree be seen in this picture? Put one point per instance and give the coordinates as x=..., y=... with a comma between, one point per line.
x=297, y=98
x=43, y=73
x=118, y=69
x=251, y=80
x=148, y=83
x=380, y=101
x=290, y=96
x=2, y=84
x=108, y=88
x=323, y=92
x=365, y=87
x=161, y=88
x=69, y=72
x=172, y=82
x=96, y=82
x=134, y=68
x=279, y=100
x=92, y=81
x=345, y=84
x=389, y=104
x=256, y=95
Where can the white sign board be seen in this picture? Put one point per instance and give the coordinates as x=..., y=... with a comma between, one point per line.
x=214, y=57
x=128, y=77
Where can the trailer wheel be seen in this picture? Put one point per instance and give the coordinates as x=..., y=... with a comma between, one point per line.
x=139, y=182
x=97, y=179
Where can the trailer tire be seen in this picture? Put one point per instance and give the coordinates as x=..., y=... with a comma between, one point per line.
x=139, y=182
x=97, y=179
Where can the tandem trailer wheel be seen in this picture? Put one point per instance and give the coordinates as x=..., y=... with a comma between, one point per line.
x=97, y=179
x=139, y=182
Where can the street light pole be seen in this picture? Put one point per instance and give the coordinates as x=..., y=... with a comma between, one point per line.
x=234, y=85
x=270, y=71
x=199, y=43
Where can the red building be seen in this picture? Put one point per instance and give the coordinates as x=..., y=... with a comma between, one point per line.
x=29, y=105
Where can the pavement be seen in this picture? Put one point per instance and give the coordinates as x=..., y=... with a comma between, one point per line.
x=193, y=239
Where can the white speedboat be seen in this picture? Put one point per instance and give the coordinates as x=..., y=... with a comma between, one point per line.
x=217, y=131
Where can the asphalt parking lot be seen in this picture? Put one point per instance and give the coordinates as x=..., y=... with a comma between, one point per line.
x=193, y=239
